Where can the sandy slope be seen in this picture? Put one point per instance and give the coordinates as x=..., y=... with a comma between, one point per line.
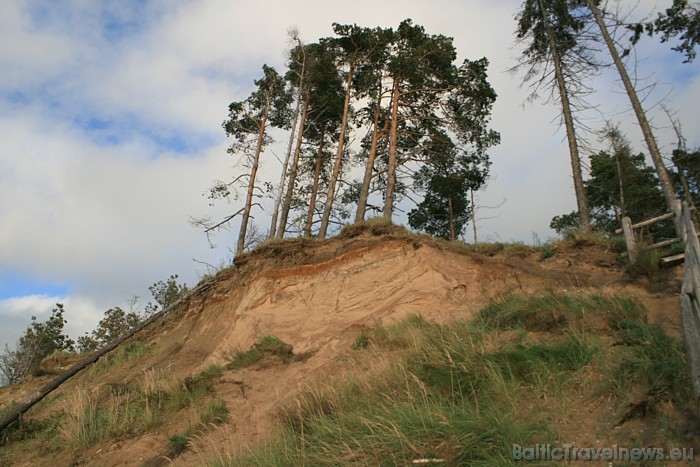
x=317, y=296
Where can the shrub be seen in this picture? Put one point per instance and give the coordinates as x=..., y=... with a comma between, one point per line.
x=177, y=444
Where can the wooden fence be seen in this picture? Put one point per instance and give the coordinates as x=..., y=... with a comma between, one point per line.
x=630, y=239
x=690, y=290
x=690, y=296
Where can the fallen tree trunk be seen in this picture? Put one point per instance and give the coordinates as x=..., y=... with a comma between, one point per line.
x=48, y=388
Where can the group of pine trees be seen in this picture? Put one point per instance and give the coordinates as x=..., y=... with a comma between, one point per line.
x=393, y=103
x=562, y=42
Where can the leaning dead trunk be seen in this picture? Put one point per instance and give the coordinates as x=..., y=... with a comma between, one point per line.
x=654, y=152
x=51, y=386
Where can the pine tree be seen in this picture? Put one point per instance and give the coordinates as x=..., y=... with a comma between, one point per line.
x=247, y=123
x=552, y=33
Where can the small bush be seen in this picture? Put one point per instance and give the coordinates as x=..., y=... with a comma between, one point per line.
x=177, y=444
x=193, y=388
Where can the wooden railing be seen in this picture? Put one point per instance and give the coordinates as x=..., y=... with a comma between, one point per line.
x=690, y=290
x=630, y=239
x=690, y=296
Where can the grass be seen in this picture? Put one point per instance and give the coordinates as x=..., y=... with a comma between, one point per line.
x=126, y=411
x=648, y=264
x=551, y=312
x=265, y=346
x=215, y=412
x=652, y=361
x=177, y=444
x=139, y=409
x=463, y=393
x=132, y=351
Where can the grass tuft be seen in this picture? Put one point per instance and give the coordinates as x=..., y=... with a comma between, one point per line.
x=266, y=345
x=177, y=444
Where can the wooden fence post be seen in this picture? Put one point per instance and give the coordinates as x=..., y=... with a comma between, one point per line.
x=690, y=297
x=629, y=239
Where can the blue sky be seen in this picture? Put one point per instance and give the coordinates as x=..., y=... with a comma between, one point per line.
x=110, y=134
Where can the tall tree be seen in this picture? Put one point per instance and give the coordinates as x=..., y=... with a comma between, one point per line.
x=421, y=71
x=322, y=115
x=296, y=77
x=662, y=172
x=620, y=184
x=248, y=122
x=432, y=97
x=356, y=48
x=378, y=130
x=552, y=35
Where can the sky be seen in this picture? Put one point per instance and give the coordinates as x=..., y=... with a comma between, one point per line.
x=110, y=134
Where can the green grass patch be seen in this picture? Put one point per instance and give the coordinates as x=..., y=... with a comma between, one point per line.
x=193, y=389
x=177, y=444
x=265, y=346
x=547, y=313
x=651, y=361
x=124, y=354
x=547, y=251
x=647, y=264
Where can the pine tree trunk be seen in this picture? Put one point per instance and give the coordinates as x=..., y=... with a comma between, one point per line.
x=285, y=167
x=338, y=158
x=251, y=182
x=623, y=209
x=654, y=152
x=393, y=142
x=471, y=195
x=293, y=173
x=283, y=177
x=451, y=219
x=364, y=190
x=314, y=191
x=581, y=201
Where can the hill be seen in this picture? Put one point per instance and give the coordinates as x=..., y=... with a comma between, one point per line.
x=278, y=338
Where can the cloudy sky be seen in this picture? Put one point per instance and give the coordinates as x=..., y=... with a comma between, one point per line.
x=110, y=133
